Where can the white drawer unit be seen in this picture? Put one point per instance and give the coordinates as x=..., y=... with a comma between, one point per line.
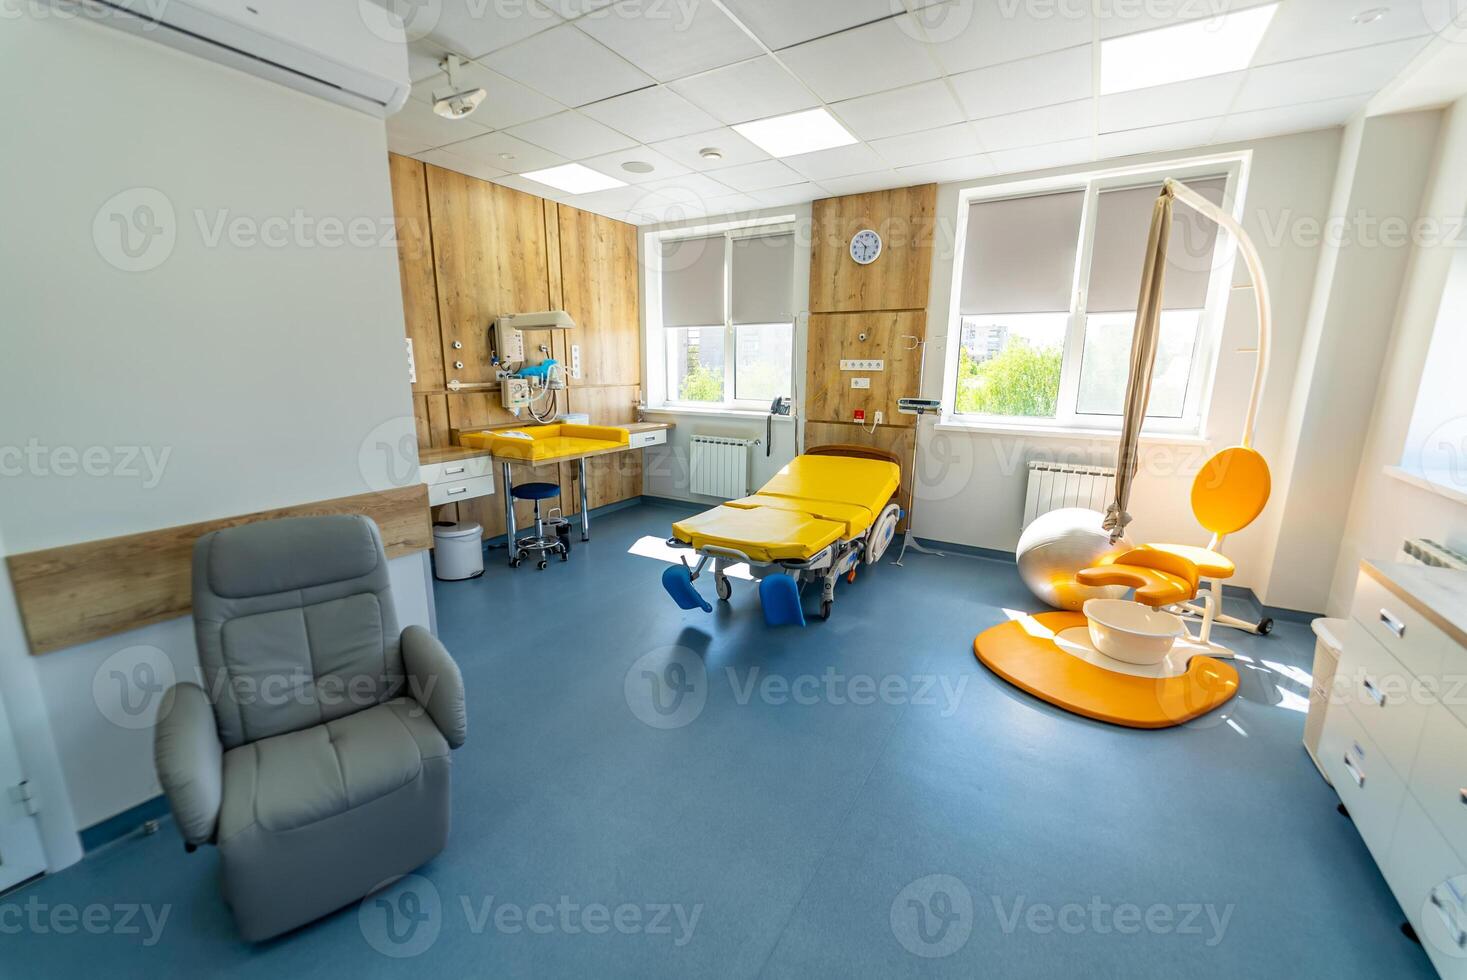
x=457, y=490
x=1394, y=744
x=457, y=470
x=1366, y=783
x=1429, y=879
x=1439, y=777
x=1389, y=701
x=452, y=481
x=654, y=437
x=1407, y=634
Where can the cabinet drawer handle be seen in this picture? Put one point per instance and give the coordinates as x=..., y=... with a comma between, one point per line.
x=454, y=472
x=1355, y=774
x=1393, y=624
x=455, y=491
x=1373, y=692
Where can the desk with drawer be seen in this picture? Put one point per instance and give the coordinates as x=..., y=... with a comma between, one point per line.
x=1394, y=743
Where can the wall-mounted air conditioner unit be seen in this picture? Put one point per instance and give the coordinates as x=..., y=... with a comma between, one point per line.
x=352, y=53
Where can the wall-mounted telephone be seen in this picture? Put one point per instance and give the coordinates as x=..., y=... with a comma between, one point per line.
x=780, y=406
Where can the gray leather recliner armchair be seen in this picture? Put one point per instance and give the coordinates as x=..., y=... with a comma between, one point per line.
x=317, y=760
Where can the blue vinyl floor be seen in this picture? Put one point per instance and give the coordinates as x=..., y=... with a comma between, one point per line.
x=648, y=792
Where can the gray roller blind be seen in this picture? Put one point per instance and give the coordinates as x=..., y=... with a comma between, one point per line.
x=1122, y=225
x=692, y=282
x=764, y=279
x=1020, y=254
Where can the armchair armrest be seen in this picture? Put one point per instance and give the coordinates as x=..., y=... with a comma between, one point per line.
x=434, y=680
x=190, y=761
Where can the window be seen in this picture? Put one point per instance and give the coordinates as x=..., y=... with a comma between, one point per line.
x=728, y=317
x=1047, y=293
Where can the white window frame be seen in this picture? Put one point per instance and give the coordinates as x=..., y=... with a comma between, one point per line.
x=730, y=231
x=1233, y=167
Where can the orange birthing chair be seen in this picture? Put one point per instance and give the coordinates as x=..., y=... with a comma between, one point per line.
x=1228, y=495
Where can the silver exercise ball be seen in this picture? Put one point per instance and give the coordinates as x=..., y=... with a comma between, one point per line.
x=1056, y=546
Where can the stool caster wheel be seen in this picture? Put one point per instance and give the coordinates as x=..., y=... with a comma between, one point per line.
x=542, y=564
x=565, y=554
x=724, y=588
x=1265, y=627
x=514, y=562
x=825, y=607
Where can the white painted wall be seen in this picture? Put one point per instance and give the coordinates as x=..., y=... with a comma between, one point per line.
x=1384, y=162
x=971, y=485
x=1384, y=510
x=255, y=370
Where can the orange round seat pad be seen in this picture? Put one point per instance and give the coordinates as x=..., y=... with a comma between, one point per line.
x=1023, y=652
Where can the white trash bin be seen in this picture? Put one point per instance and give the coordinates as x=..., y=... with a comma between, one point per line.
x=458, y=551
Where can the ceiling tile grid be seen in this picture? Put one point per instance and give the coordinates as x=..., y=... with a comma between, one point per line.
x=931, y=90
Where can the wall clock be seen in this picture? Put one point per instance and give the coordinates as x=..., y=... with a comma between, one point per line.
x=866, y=247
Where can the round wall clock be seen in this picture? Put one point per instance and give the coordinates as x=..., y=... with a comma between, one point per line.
x=866, y=247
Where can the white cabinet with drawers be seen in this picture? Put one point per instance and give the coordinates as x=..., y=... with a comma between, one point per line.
x=1394, y=743
x=451, y=481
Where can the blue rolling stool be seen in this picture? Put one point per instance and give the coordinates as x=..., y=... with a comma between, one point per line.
x=538, y=543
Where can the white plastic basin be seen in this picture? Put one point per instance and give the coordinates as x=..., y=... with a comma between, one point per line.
x=1132, y=632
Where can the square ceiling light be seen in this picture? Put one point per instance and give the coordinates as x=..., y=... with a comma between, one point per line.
x=574, y=179
x=798, y=132
x=1209, y=46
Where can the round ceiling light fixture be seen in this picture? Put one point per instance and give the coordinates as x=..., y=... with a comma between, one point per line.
x=711, y=153
x=1370, y=16
x=638, y=167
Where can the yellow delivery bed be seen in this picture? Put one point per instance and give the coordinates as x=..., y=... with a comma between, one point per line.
x=809, y=505
x=543, y=443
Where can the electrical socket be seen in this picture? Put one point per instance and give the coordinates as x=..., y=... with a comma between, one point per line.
x=880, y=418
x=860, y=382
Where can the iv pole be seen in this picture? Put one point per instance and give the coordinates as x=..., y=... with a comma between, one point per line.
x=907, y=540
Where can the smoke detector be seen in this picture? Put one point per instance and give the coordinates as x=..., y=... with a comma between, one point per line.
x=456, y=101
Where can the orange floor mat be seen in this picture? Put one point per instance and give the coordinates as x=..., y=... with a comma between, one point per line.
x=1023, y=653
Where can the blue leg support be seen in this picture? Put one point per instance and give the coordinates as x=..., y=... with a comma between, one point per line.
x=780, y=596
x=678, y=582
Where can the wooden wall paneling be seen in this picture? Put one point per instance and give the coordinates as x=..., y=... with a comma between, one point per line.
x=83, y=592
x=489, y=255
x=599, y=277
x=438, y=421
x=420, y=421
x=899, y=279
x=488, y=512
x=552, y=256
x=891, y=438
x=829, y=396
x=415, y=267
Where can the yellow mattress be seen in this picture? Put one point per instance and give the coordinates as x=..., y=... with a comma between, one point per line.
x=540, y=443
x=809, y=505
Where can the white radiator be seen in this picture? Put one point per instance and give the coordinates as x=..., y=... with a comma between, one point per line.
x=720, y=466
x=1424, y=551
x=1056, y=485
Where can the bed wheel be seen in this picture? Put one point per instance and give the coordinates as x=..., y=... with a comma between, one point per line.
x=825, y=607
x=1265, y=627
x=723, y=587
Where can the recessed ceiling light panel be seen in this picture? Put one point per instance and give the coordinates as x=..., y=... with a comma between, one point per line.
x=1209, y=46
x=574, y=179
x=798, y=132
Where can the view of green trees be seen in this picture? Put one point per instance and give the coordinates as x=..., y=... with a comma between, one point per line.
x=701, y=385
x=1020, y=380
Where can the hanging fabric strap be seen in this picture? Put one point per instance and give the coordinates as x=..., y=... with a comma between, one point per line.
x=1143, y=360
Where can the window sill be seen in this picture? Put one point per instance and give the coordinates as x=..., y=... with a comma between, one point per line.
x=1439, y=484
x=950, y=424
x=719, y=412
